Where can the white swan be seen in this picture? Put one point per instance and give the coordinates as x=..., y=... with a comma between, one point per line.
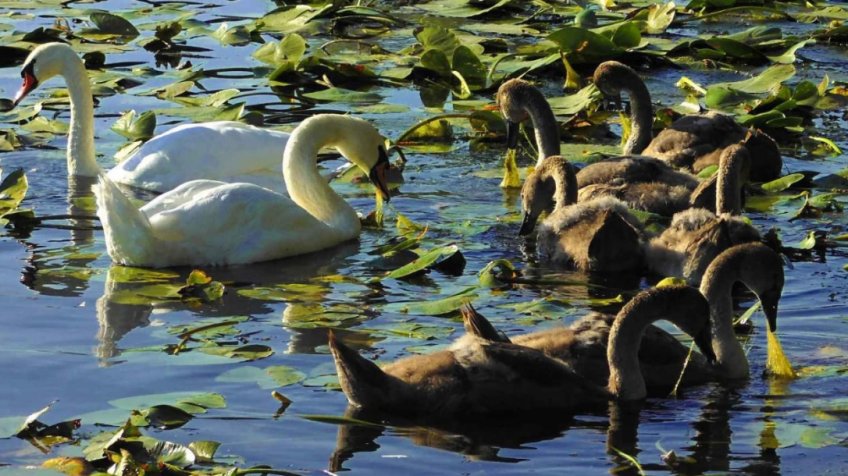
x=216, y=223
x=224, y=150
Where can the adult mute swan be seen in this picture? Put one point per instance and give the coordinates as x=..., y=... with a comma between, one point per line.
x=216, y=223
x=477, y=376
x=225, y=150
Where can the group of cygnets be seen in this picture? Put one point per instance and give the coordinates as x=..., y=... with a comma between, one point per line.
x=588, y=225
x=224, y=202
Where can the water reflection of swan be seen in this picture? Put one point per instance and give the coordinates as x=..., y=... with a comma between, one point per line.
x=125, y=305
x=66, y=271
x=116, y=318
x=477, y=440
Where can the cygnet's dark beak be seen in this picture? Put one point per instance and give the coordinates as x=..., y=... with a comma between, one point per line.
x=512, y=134
x=379, y=173
x=704, y=342
x=611, y=102
x=527, y=224
x=769, y=300
x=30, y=82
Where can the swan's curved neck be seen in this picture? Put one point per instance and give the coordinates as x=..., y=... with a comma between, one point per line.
x=625, y=379
x=565, y=180
x=731, y=175
x=306, y=187
x=81, y=156
x=544, y=124
x=716, y=286
x=641, y=117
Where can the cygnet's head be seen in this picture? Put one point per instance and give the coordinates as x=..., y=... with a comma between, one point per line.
x=513, y=99
x=537, y=197
x=611, y=77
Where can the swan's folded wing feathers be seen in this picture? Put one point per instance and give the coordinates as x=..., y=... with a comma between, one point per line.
x=176, y=197
x=221, y=150
x=233, y=212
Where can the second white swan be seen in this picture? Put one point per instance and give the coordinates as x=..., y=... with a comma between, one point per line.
x=216, y=223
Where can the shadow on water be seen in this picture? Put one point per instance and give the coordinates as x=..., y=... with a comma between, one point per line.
x=476, y=439
x=709, y=448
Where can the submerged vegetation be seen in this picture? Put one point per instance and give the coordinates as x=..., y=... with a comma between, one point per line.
x=425, y=73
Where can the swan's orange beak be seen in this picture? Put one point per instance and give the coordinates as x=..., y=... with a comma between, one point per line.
x=30, y=83
x=379, y=173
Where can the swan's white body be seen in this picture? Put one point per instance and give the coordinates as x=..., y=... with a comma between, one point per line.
x=216, y=223
x=227, y=150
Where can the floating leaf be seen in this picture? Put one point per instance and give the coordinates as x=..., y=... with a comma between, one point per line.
x=237, y=35
x=113, y=24
x=197, y=400
x=660, y=17
x=671, y=281
x=167, y=416
x=13, y=189
x=243, y=352
x=204, y=450
x=469, y=66
x=199, y=285
x=425, y=261
x=809, y=242
x=511, y=178
x=782, y=183
x=267, y=378
x=136, y=129
x=344, y=95
x=435, y=307
x=496, y=273
x=582, y=45
x=436, y=61
x=582, y=100
x=828, y=146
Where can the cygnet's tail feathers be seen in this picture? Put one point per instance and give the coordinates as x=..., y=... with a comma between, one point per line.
x=476, y=324
x=363, y=382
x=616, y=245
x=129, y=236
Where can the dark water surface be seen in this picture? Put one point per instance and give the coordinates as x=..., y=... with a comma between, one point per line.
x=70, y=331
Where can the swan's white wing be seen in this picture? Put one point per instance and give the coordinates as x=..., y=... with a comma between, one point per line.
x=226, y=150
x=179, y=195
x=237, y=223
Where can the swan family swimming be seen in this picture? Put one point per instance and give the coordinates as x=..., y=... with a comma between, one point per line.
x=236, y=194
